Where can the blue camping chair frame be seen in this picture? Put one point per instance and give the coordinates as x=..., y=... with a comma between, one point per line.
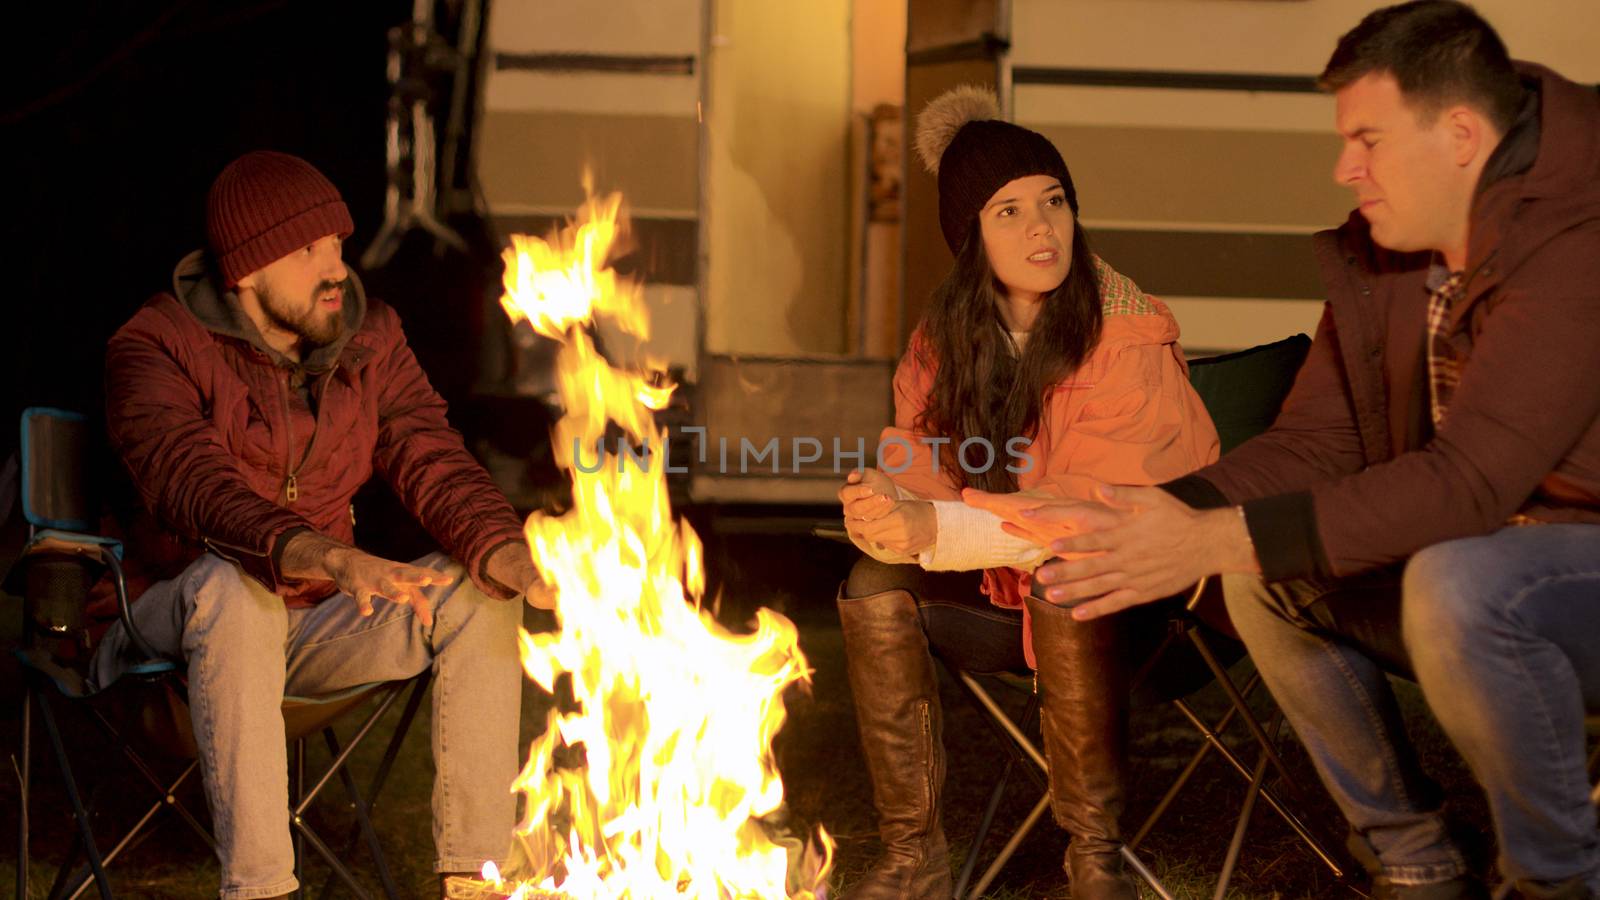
x=147, y=706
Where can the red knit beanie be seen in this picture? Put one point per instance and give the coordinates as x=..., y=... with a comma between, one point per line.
x=266, y=205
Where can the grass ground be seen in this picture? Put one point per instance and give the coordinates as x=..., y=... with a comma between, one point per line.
x=826, y=783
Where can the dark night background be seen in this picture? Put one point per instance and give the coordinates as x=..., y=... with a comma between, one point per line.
x=124, y=114
x=117, y=118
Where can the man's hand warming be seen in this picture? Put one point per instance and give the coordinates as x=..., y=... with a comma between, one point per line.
x=361, y=575
x=512, y=565
x=1137, y=545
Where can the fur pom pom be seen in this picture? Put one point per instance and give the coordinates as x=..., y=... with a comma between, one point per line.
x=945, y=114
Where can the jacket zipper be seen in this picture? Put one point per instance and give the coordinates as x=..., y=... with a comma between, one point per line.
x=291, y=484
x=291, y=490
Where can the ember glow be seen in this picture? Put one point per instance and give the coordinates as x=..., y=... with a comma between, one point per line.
x=657, y=779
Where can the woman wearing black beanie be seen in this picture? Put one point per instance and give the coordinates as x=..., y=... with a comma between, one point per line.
x=1036, y=368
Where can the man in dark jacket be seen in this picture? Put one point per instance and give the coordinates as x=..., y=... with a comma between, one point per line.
x=249, y=404
x=1428, y=501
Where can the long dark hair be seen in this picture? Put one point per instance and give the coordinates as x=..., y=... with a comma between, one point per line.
x=981, y=387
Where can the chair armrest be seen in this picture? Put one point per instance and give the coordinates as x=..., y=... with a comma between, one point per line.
x=124, y=609
x=108, y=552
x=71, y=543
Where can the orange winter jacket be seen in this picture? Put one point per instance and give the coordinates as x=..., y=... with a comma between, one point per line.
x=1127, y=416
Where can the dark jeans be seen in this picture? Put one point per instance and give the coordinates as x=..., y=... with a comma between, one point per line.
x=1503, y=634
x=963, y=628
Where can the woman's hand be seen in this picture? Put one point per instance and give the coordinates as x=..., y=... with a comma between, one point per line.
x=867, y=494
x=874, y=517
x=908, y=527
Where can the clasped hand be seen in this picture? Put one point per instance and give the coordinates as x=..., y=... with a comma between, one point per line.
x=873, y=514
x=1135, y=545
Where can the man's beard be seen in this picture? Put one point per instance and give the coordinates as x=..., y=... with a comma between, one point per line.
x=315, y=326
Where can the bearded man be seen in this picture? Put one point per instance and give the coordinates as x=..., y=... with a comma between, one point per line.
x=249, y=404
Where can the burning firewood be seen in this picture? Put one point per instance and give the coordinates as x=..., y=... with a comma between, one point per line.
x=658, y=778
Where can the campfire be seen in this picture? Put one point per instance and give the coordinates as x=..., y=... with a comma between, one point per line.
x=655, y=775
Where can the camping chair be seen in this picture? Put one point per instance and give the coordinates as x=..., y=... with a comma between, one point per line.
x=1242, y=392
x=1015, y=736
x=1191, y=655
x=146, y=709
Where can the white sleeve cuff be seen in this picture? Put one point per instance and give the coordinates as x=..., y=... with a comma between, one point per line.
x=970, y=538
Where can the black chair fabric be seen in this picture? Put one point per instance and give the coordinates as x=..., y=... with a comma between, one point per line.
x=1244, y=391
x=55, y=491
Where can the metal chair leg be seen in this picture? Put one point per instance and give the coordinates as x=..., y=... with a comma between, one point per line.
x=68, y=870
x=299, y=763
x=989, y=809
x=24, y=780
x=1011, y=846
x=1288, y=816
x=79, y=812
x=363, y=819
x=167, y=799
x=1219, y=672
x=168, y=792
x=1021, y=751
x=1230, y=859
x=304, y=798
x=380, y=777
x=998, y=717
x=303, y=832
x=1195, y=760
x=1143, y=871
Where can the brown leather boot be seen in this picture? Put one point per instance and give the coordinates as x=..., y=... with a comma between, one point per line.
x=897, y=711
x=1083, y=709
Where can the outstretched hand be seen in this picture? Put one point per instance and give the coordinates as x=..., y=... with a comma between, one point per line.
x=364, y=577
x=1136, y=545
x=361, y=575
x=1042, y=518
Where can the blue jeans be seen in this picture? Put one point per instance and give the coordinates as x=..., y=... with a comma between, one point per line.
x=1503, y=634
x=244, y=651
x=963, y=628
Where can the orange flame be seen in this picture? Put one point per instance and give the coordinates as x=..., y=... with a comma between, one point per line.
x=658, y=779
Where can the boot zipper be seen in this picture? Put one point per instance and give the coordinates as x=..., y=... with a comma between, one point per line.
x=927, y=768
x=1044, y=734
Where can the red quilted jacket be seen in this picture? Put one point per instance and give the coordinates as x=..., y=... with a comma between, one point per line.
x=228, y=456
